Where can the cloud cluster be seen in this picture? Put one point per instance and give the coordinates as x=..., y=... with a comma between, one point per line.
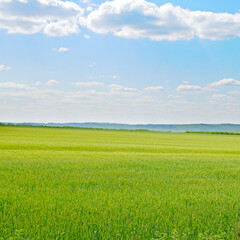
x=113, y=103
x=229, y=82
x=12, y=85
x=52, y=17
x=123, y=18
x=142, y=19
x=4, y=67
x=189, y=88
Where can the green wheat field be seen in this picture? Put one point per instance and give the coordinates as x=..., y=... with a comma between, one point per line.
x=63, y=183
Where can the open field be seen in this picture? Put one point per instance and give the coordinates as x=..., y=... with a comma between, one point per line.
x=103, y=184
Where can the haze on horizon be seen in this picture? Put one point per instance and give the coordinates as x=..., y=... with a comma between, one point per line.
x=120, y=61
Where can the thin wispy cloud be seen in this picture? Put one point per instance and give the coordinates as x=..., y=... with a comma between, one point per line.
x=117, y=88
x=4, y=67
x=91, y=65
x=88, y=84
x=154, y=89
x=114, y=77
x=13, y=85
x=61, y=49
x=189, y=88
x=86, y=36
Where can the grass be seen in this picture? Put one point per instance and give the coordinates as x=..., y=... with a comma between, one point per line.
x=103, y=184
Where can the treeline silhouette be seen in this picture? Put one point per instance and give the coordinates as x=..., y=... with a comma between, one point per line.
x=221, y=133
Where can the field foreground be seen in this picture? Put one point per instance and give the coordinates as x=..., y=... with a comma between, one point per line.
x=103, y=184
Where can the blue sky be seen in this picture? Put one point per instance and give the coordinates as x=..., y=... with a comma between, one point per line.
x=125, y=61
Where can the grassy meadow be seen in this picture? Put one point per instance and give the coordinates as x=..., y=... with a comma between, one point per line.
x=58, y=183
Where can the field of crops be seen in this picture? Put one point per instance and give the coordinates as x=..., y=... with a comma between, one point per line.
x=104, y=184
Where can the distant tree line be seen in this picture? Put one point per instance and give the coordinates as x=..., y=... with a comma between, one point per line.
x=221, y=133
x=6, y=124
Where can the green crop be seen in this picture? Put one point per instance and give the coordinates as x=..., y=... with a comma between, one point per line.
x=111, y=184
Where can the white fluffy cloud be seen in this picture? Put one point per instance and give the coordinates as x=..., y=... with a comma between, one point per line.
x=226, y=82
x=4, y=67
x=119, y=88
x=189, y=88
x=53, y=17
x=154, y=89
x=12, y=85
x=142, y=19
x=123, y=18
x=52, y=82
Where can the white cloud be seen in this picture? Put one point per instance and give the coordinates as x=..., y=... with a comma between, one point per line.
x=119, y=88
x=85, y=1
x=219, y=96
x=173, y=96
x=222, y=98
x=226, y=82
x=123, y=18
x=52, y=82
x=12, y=85
x=154, y=89
x=112, y=103
x=61, y=49
x=61, y=28
x=4, y=67
x=142, y=19
x=114, y=77
x=89, y=9
x=53, y=17
x=93, y=64
x=88, y=84
x=87, y=36
x=189, y=88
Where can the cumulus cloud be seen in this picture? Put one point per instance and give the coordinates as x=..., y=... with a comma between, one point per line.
x=123, y=18
x=12, y=85
x=61, y=28
x=4, y=67
x=88, y=84
x=53, y=17
x=189, y=88
x=52, y=82
x=119, y=88
x=142, y=19
x=154, y=89
x=226, y=82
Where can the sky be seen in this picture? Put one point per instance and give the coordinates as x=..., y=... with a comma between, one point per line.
x=121, y=61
